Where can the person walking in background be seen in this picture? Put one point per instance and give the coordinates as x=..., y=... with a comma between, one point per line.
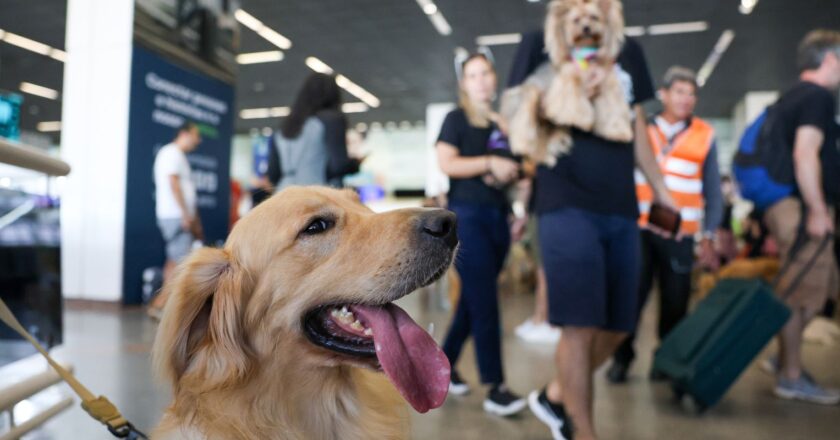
x=684, y=146
x=589, y=240
x=805, y=144
x=475, y=195
x=175, y=203
x=311, y=147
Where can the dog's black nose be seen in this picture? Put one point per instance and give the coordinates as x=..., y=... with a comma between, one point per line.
x=441, y=225
x=587, y=30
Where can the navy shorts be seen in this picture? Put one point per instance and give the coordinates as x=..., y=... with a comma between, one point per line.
x=591, y=264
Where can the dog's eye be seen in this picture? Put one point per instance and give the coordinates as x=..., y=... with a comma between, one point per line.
x=317, y=226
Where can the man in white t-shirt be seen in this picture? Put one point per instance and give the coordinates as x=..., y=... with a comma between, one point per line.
x=175, y=201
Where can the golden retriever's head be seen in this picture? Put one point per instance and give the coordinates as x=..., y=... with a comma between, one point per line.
x=584, y=23
x=307, y=278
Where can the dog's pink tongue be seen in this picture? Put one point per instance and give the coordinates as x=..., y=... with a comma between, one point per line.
x=408, y=355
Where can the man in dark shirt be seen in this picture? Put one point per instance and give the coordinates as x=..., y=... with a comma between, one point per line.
x=803, y=119
x=590, y=243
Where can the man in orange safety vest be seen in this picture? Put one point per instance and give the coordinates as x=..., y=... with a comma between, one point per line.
x=685, y=148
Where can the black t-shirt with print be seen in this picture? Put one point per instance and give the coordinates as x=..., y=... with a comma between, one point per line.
x=597, y=175
x=470, y=141
x=807, y=104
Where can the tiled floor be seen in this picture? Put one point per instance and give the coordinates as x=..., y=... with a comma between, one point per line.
x=111, y=354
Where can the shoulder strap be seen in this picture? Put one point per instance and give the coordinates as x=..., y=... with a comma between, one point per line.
x=100, y=408
x=798, y=243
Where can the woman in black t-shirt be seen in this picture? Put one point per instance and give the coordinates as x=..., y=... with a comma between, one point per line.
x=470, y=152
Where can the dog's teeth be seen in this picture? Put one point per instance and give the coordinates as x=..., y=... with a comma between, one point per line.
x=368, y=332
x=344, y=310
x=334, y=313
x=356, y=325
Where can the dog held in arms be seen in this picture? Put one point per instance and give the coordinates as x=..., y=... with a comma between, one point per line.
x=579, y=88
x=283, y=333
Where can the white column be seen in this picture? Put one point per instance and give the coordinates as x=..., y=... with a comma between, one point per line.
x=436, y=182
x=97, y=77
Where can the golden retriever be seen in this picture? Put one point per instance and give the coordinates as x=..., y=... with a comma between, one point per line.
x=580, y=87
x=278, y=335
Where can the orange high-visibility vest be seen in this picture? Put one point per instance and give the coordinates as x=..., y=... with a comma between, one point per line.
x=682, y=168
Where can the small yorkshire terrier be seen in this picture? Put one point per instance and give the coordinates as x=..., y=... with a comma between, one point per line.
x=579, y=89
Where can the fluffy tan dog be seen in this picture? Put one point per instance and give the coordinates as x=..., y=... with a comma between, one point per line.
x=281, y=334
x=579, y=89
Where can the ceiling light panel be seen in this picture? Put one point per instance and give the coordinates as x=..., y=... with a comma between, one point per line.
x=48, y=126
x=318, y=65
x=262, y=30
x=32, y=45
x=435, y=16
x=35, y=89
x=498, y=39
x=259, y=57
x=678, y=28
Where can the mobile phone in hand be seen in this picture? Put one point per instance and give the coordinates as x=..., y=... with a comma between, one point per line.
x=665, y=218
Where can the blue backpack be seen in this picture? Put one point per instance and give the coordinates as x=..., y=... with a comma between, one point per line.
x=762, y=177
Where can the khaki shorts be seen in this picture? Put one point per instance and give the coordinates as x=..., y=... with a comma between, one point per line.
x=821, y=281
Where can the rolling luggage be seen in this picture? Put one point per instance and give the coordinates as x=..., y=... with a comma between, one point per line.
x=707, y=351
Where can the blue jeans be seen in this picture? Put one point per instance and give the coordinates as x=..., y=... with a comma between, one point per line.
x=485, y=240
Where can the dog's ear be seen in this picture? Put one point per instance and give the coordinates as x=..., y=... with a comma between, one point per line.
x=555, y=37
x=200, y=342
x=614, y=32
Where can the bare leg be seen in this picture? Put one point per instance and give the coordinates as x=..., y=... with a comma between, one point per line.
x=573, y=384
x=160, y=299
x=606, y=342
x=790, y=344
x=541, y=301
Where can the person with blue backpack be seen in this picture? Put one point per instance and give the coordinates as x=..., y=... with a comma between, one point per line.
x=788, y=165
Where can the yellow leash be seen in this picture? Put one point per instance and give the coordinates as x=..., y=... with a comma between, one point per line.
x=100, y=408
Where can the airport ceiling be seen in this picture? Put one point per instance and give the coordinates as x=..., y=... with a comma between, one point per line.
x=391, y=48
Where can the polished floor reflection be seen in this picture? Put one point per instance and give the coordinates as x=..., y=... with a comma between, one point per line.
x=110, y=351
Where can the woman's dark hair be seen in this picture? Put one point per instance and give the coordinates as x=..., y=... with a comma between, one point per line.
x=319, y=92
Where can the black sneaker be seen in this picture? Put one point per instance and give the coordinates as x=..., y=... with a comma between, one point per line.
x=552, y=414
x=457, y=386
x=618, y=372
x=501, y=402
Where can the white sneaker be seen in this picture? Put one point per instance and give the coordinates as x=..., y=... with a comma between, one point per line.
x=524, y=329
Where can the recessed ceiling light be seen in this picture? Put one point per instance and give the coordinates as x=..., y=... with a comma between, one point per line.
x=259, y=57
x=361, y=126
x=390, y=125
x=34, y=89
x=49, y=126
x=430, y=8
x=376, y=125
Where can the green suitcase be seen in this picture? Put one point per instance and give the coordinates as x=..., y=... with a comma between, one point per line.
x=707, y=351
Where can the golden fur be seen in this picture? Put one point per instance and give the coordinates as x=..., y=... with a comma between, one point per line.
x=231, y=342
x=564, y=95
